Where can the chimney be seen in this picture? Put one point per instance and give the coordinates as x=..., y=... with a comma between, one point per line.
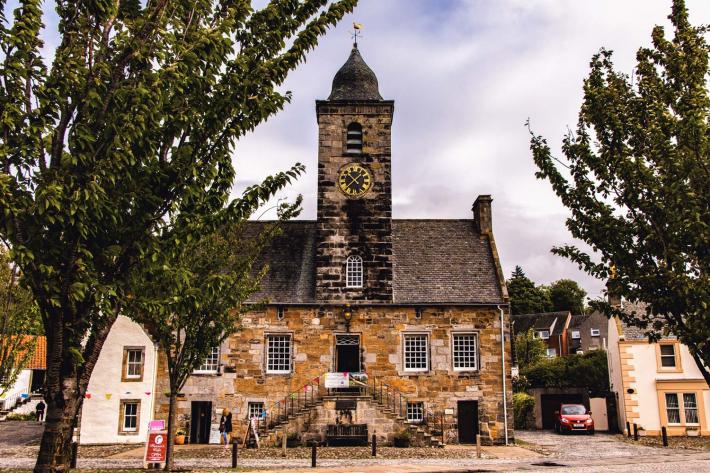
x=482, y=217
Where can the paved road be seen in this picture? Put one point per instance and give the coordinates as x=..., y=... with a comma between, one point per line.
x=600, y=453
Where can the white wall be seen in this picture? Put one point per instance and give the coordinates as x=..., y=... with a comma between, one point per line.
x=615, y=375
x=21, y=386
x=100, y=413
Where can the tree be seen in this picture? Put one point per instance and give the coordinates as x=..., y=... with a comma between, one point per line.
x=525, y=297
x=636, y=183
x=18, y=318
x=124, y=143
x=528, y=349
x=567, y=295
x=191, y=300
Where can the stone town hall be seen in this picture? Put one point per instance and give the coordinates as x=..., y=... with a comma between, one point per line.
x=410, y=309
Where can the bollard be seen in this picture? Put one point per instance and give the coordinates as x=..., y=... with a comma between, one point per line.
x=628, y=429
x=235, y=454
x=374, y=445
x=636, y=431
x=664, y=435
x=478, y=445
x=313, y=455
x=74, y=453
x=283, y=444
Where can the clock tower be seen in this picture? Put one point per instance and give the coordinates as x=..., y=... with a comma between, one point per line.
x=354, y=228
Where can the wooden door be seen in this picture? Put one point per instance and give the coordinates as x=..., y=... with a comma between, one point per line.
x=468, y=421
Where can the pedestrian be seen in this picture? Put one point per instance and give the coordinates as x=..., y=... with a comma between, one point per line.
x=39, y=410
x=225, y=427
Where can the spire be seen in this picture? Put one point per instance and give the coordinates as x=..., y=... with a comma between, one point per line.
x=355, y=80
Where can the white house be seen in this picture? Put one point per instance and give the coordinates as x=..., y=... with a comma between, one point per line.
x=657, y=384
x=120, y=398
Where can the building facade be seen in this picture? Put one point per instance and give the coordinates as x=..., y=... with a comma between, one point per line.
x=411, y=315
x=656, y=384
x=120, y=398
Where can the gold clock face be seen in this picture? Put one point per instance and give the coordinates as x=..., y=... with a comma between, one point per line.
x=354, y=180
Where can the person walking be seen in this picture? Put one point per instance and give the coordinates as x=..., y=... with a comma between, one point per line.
x=225, y=426
x=39, y=410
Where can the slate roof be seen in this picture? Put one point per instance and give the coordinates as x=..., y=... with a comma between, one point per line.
x=355, y=80
x=434, y=261
x=442, y=261
x=631, y=332
x=540, y=321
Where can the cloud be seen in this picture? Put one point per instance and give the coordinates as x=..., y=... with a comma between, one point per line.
x=465, y=75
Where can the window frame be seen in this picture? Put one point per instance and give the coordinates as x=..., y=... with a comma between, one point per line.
x=554, y=352
x=427, y=356
x=417, y=406
x=125, y=377
x=251, y=404
x=476, y=353
x=122, y=417
x=355, y=268
x=578, y=334
x=538, y=334
x=288, y=336
x=677, y=367
x=595, y=332
x=202, y=370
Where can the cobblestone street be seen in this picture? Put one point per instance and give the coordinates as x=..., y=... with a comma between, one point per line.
x=544, y=451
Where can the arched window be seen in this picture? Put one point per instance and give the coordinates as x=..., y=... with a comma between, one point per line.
x=353, y=143
x=353, y=271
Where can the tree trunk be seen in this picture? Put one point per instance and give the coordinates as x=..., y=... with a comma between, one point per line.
x=66, y=383
x=172, y=414
x=62, y=412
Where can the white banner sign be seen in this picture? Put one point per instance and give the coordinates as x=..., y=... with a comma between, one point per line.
x=337, y=380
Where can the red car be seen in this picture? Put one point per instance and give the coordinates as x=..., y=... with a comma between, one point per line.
x=573, y=418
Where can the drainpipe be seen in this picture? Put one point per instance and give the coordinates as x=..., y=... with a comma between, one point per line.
x=502, y=357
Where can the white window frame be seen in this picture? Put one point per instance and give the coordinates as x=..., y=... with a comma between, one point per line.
x=576, y=335
x=210, y=364
x=134, y=363
x=125, y=416
x=476, y=345
x=551, y=352
x=406, y=352
x=595, y=332
x=678, y=408
x=272, y=338
x=543, y=334
x=354, y=272
x=255, y=407
x=415, y=412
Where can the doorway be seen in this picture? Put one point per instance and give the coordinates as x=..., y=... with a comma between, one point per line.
x=347, y=353
x=200, y=421
x=467, y=421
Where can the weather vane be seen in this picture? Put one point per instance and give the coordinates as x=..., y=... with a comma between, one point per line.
x=356, y=32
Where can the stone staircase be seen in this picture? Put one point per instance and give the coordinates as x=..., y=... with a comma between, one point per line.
x=374, y=403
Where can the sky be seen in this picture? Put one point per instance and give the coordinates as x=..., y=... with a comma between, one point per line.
x=465, y=76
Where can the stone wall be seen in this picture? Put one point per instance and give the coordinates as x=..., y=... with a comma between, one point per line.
x=313, y=330
x=359, y=226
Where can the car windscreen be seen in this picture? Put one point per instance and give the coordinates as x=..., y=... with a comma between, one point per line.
x=573, y=410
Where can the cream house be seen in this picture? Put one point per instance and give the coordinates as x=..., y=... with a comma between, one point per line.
x=657, y=384
x=121, y=393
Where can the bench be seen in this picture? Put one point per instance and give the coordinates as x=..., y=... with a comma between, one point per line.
x=346, y=434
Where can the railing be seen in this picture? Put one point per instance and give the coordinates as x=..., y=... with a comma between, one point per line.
x=280, y=411
x=376, y=389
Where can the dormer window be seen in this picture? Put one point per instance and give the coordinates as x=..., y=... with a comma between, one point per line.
x=353, y=142
x=353, y=271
